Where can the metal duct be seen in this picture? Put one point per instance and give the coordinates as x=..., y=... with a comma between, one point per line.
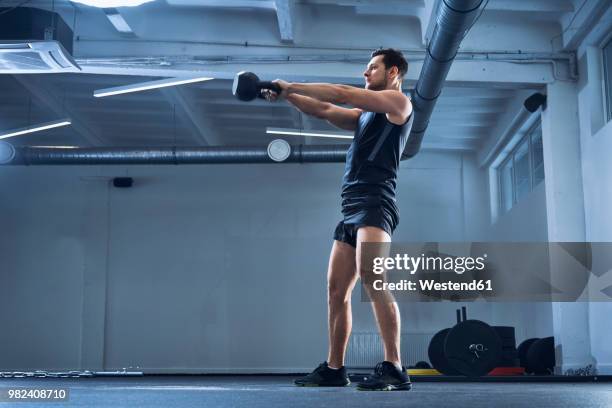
x=455, y=18
x=169, y=155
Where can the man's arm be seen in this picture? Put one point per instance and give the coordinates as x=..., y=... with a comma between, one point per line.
x=393, y=103
x=340, y=117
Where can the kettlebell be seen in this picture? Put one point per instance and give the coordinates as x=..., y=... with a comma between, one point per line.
x=247, y=86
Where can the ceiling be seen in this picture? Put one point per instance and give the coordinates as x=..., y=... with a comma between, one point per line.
x=307, y=40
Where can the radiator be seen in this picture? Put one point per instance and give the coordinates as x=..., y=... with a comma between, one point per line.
x=365, y=349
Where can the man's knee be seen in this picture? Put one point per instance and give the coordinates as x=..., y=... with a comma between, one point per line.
x=371, y=283
x=338, y=293
x=368, y=279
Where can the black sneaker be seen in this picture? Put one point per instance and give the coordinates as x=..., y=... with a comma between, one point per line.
x=386, y=378
x=323, y=376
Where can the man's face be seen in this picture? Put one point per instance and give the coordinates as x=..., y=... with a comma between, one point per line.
x=376, y=74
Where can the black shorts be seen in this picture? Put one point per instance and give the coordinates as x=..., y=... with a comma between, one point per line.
x=347, y=232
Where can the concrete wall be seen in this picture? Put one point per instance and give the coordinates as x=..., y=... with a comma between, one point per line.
x=596, y=144
x=526, y=221
x=194, y=268
x=204, y=268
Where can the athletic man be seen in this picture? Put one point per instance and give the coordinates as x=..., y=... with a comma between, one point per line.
x=381, y=119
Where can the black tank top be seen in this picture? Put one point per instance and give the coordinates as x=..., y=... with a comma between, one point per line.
x=372, y=162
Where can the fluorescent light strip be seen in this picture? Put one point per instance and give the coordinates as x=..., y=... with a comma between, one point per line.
x=112, y=3
x=35, y=128
x=296, y=132
x=144, y=86
x=56, y=147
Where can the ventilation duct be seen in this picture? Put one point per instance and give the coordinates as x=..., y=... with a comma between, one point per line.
x=454, y=19
x=166, y=155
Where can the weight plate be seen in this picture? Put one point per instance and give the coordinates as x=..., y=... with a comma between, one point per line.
x=522, y=351
x=506, y=334
x=422, y=365
x=436, y=354
x=541, y=356
x=473, y=348
x=505, y=331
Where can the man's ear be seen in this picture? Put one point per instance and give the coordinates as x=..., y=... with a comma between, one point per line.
x=394, y=71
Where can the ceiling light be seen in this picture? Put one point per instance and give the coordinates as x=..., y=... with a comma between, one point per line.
x=118, y=21
x=55, y=147
x=112, y=3
x=35, y=128
x=315, y=133
x=144, y=86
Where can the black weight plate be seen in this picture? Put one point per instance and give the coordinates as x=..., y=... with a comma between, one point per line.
x=505, y=331
x=422, y=365
x=473, y=362
x=436, y=354
x=522, y=351
x=541, y=356
x=509, y=359
x=506, y=334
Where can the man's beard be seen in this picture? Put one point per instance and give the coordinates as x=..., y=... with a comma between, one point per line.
x=379, y=86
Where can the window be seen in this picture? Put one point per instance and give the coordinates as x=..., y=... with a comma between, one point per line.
x=607, y=65
x=537, y=155
x=506, y=189
x=522, y=176
x=522, y=170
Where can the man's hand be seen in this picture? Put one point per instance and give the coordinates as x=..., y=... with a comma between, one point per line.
x=272, y=96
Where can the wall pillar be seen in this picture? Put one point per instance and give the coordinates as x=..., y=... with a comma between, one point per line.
x=565, y=212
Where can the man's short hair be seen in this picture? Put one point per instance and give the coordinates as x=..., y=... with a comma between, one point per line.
x=393, y=58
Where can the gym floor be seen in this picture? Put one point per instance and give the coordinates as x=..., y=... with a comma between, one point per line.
x=278, y=391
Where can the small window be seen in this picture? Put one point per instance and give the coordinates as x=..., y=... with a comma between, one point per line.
x=522, y=170
x=607, y=65
x=537, y=153
x=505, y=183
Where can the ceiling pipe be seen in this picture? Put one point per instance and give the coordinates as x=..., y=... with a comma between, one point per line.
x=454, y=19
x=165, y=155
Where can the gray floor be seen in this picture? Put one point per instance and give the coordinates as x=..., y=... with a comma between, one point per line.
x=252, y=392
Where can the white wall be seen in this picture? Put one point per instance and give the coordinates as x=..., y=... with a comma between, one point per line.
x=194, y=268
x=525, y=221
x=596, y=145
x=214, y=267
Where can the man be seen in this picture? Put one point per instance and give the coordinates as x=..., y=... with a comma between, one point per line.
x=381, y=118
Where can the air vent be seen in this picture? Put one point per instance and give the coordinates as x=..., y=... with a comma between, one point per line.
x=35, y=57
x=33, y=40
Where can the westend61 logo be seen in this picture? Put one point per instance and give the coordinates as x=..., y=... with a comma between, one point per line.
x=490, y=271
x=412, y=264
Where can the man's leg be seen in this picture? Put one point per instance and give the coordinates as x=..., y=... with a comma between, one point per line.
x=385, y=308
x=341, y=279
